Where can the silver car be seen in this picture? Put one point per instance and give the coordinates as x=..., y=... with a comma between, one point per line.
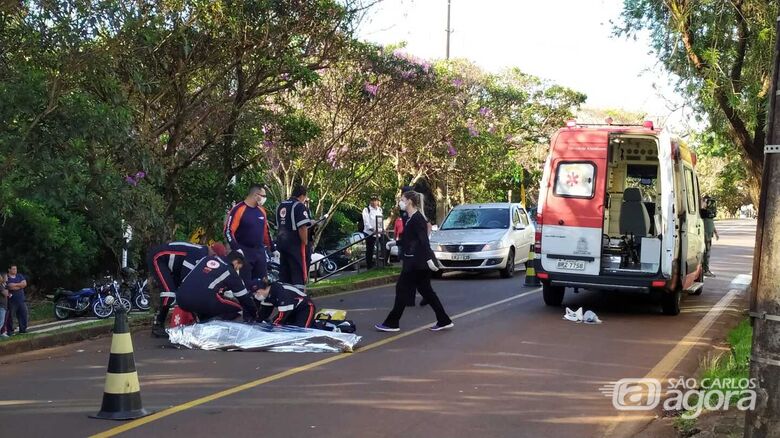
x=483, y=237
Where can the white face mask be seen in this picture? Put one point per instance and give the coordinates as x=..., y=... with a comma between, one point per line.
x=402, y=205
x=262, y=200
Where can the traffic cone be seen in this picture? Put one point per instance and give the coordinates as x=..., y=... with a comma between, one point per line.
x=530, y=273
x=122, y=393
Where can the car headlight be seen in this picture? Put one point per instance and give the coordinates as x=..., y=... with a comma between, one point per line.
x=492, y=246
x=436, y=247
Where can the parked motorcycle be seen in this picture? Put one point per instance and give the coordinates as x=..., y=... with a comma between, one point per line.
x=68, y=303
x=102, y=298
x=135, y=290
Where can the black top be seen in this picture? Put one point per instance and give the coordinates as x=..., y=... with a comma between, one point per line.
x=416, y=246
x=291, y=215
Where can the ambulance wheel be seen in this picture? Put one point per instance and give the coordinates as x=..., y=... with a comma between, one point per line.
x=509, y=270
x=553, y=295
x=670, y=302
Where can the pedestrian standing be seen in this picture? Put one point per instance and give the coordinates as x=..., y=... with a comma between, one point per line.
x=708, y=214
x=246, y=229
x=17, y=306
x=418, y=263
x=370, y=227
x=294, y=221
x=3, y=304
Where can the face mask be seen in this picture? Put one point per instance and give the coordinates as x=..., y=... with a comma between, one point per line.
x=262, y=200
x=402, y=205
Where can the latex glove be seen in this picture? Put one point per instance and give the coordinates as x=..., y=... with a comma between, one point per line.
x=432, y=265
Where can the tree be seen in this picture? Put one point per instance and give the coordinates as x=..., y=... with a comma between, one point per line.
x=720, y=51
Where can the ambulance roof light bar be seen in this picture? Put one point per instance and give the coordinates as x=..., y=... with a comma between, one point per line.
x=648, y=124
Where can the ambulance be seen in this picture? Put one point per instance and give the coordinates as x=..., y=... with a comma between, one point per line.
x=619, y=210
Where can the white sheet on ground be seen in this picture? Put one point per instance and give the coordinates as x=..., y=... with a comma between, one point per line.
x=228, y=335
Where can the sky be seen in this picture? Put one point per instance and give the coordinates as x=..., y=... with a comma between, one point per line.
x=569, y=42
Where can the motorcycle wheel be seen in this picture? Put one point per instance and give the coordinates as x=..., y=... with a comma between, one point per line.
x=124, y=302
x=142, y=302
x=329, y=266
x=102, y=310
x=59, y=312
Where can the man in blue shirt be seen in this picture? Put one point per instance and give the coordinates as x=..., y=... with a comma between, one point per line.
x=16, y=301
x=246, y=228
x=294, y=221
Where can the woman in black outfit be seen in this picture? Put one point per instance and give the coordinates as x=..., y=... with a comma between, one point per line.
x=418, y=262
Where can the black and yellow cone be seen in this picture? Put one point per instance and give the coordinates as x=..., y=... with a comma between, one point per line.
x=122, y=393
x=530, y=273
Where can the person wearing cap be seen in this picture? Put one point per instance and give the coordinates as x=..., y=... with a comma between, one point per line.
x=369, y=215
x=293, y=306
x=169, y=264
x=294, y=223
x=708, y=213
x=246, y=228
x=203, y=291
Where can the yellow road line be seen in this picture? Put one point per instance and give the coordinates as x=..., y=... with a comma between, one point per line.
x=249, y=385
x=676, y=355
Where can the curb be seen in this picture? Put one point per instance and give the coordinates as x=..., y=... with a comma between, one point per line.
x=363, y=284
x=57, y=339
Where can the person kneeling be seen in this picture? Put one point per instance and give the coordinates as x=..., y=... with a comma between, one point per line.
x=295, y=308
x=202, y=292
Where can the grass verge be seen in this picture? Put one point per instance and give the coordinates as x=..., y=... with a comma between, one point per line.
x=728, y=366
x=350, y=279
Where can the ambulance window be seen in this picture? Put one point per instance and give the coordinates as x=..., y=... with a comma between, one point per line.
x=689, y=189
x=575, y=180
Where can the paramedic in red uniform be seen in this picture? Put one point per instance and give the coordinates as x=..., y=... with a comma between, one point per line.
x=246, y=229
x=202, y=292
x=293, y=221
x=169, y=264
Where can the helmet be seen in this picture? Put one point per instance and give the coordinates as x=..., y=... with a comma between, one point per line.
x=219, y=249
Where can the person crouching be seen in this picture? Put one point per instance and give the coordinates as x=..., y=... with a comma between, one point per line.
x=202, y=292
x=294, y=307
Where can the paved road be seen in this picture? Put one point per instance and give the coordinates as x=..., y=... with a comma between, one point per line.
x=511, y=367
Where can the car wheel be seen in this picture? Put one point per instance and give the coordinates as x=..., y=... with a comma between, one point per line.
x=553, y=295
x=509, y=269
x=670, y=302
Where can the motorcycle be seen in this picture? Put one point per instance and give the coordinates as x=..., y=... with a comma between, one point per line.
x=68, y=303
x=101, y=298
x=138, y=294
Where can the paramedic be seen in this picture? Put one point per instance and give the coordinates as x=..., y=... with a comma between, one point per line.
x=293, y=220
x=202, y=291
x=169, y=264
x=246, y=228
x=294, y=307
x=418, y=262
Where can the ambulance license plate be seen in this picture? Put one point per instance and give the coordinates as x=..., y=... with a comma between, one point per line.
x=462, y=257
x=571, y=265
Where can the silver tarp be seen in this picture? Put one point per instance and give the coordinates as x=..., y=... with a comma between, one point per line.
x=228, y=335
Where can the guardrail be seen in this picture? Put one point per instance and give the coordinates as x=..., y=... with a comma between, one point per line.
x=335, y=253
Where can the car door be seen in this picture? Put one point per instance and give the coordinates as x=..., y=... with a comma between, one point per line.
x=526, y=237
x=693, y=232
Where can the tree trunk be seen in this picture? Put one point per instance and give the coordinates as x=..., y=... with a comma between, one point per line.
x=439, y=192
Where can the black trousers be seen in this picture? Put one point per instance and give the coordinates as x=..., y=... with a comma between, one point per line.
x=207, y=304
x=408, y=282
x=293, y=265
x=370, y=249
x=255, y=266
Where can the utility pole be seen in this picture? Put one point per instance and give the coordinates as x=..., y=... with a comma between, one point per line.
x=449, y=30
x=764, y=421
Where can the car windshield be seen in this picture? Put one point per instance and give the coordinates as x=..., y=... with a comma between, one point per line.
x=477, y=219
